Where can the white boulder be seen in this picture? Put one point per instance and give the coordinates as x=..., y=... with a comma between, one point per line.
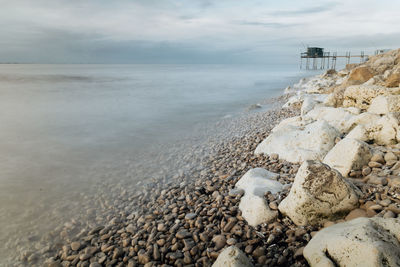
x=385, y=104
x=296, y=121
x=339, y=118
x=365, y=242
x=232, y=257
x=318, y=193
x=349, y=154
x=297, y=144
x=364, y=118
x=361, y=95
x=311, y=101
x=385, y=130
x=359, y=132
x=256, y=182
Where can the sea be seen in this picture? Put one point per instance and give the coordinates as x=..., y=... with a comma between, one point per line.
x=65, y=127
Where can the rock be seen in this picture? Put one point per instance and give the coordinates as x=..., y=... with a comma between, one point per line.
x=319, y=193
x=339, y=118
x=359, y=132
x=256, y=182
x=183, y=234
x=361, y=96
x=232, y=257
x=386, y=130
x=297, y=144
x=311, y=101
x=359, y=242
x=190, y=216
x=390, y=156
x=219, y=241
x=360, y=75
x=378, y=157
x=366, y=170
x=349, y=154
x=75, y=246
x=356, y=214
x=393, y=80
x=385, y=104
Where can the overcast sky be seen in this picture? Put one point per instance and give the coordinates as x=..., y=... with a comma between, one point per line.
x=191, y=31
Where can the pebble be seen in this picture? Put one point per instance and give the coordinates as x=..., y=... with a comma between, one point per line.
x=75, y=246
x=378, y=157
x=183, y=234
x=356, y=213
x=219, y=241
x=389, y=214
x=231, y=241
x=366, y=170
x=390, y=156
x=374, y=164
x=190, y=216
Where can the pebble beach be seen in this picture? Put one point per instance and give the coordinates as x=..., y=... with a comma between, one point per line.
x=327, y=159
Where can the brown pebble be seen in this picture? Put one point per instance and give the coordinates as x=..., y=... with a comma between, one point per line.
x=374, y=164
x=366, y=171
x=75, y=246
x=219, y=241
x=378, y=157
x=356, y=213
x=298, y=253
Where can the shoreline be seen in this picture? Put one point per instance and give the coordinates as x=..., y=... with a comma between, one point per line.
x=213, y=180
x=332, y=155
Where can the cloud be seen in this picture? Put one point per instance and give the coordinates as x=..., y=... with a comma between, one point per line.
x=306, y=11
x=267, y=24
x=188, y=31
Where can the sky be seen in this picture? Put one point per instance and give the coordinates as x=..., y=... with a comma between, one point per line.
x=191, y=31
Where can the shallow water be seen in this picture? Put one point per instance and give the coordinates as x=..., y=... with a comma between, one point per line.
x=67, y=128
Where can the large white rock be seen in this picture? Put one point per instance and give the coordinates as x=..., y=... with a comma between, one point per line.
x=361, y=95
x=319, y=193
x=296, y=121
x=312, y=101
x=364, y=118
x=256, y=182
x=385, y=104
x=339, y=118
x=363, y=242
x=232, y=257
x=385, y=130
x=297, y=144
x=359, y=132
x=349, y=154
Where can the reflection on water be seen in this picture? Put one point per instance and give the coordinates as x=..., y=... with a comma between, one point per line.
x=66, y=129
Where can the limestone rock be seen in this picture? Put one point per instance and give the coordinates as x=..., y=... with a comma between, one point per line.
x=393, y=80
x=359, y=132
x=297, y=144
x=296, y=121
x=339, y=118
x=360, y=75
x=349, y=154
x=385, y=130
x=384, y=104
x=361, y=95
x=256, y=182
x=319, y=193
x=232, y=257
x=359, y=242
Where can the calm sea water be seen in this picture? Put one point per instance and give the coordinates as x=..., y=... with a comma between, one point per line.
x=58, y=121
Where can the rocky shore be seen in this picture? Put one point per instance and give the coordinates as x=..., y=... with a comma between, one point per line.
x=313, y=183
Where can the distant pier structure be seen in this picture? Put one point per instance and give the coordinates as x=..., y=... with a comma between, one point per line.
x=316, y=58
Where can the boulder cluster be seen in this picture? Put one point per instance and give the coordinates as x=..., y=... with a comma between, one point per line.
x=322, y=188
x=346, y=137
